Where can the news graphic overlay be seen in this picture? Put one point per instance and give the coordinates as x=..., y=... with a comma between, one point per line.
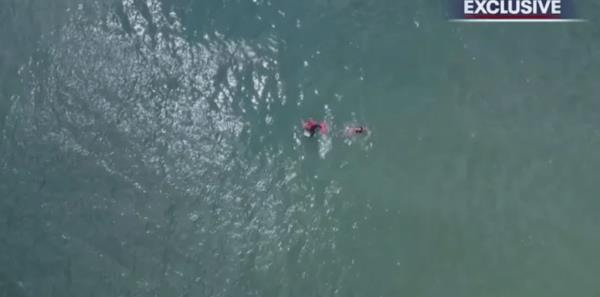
x=513, y=11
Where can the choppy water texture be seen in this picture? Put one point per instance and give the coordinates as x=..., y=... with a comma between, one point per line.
x=153, y=148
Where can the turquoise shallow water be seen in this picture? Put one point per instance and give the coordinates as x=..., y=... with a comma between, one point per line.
x=153, y=148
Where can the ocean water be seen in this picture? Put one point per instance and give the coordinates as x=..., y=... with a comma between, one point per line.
x=154, y=148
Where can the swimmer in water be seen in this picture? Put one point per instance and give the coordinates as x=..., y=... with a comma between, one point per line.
x=311, y=126
x=357, y=130
x=351, y=131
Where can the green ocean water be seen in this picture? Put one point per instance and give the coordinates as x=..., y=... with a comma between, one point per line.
x=154, y=148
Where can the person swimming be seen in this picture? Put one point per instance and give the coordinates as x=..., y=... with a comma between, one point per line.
x=311, y=126
x=351, y=131
x=359, y=130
